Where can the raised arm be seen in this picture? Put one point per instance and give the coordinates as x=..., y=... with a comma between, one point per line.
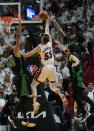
x=7, y=38
x=47, y=28
x=64, y=48
x=75, y=59
x=59, y=29
x=18, y=42
x=34, y=51
x=7, y=35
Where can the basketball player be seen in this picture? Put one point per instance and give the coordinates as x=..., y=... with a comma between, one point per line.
x=47, y=69
x=17, y=64
x=78, y=87
x=74, y=41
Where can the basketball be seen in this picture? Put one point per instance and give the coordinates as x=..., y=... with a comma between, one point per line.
x=43, y=15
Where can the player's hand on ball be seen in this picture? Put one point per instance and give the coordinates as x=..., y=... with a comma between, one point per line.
x=43, y=15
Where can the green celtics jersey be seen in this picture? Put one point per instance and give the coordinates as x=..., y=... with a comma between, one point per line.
x=17, y=65
x=76, y=73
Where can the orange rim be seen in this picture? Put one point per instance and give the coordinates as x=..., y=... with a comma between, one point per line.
x=8, y=20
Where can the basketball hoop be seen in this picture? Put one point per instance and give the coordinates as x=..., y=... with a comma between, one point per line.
x=5, y=23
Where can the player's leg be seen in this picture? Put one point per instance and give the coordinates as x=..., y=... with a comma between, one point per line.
x=56, y=90
x=52, y=83
x=25, y=122
x=39, y=78
x=17, y=83
x=81, y=89
x=36, y=105
x=22, y=90
x=52, y=80
x=83, y=95
x=82, y=111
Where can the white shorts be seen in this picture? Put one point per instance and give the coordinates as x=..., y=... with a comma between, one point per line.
x=46, y=72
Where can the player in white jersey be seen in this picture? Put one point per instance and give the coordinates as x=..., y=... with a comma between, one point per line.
x=47, y=69
x=46, y=54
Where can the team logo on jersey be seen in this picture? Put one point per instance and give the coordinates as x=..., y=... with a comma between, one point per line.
x=32, y=69
x=12, y=61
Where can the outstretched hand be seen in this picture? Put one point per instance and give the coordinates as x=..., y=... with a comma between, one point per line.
x=19, y=28
x=74, y=65
x=51, y=16
x=56, y=42
x=19, y=25
x=63, y=47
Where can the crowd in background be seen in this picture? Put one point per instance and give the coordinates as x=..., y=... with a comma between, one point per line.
x=76, y=17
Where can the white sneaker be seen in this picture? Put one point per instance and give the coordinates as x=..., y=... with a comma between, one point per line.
x=36, y=106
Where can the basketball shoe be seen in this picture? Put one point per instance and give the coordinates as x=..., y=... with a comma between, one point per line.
x=24, y=123
x=36, y=107
x=11, y=122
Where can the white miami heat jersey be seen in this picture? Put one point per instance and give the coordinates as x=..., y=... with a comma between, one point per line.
x=46, y=54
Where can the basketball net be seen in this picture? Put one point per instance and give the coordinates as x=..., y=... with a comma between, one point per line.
x=5, y=24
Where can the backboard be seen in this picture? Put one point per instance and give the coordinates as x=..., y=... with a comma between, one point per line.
x=28, y=10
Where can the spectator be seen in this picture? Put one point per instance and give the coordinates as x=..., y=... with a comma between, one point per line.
x=2, y=46
x=66, y=76
x=2, y=102
x=2, y=75
x=91, y=95
x=7, y=83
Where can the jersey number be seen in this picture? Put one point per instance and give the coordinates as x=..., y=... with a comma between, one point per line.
x=48, y=55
